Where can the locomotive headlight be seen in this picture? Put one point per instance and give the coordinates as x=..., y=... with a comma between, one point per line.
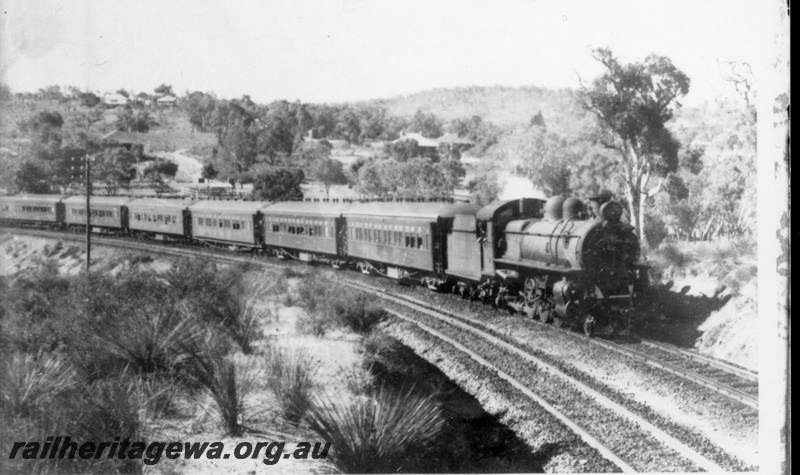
x=611, y=211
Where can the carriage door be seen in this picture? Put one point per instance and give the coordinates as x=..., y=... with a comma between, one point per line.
x=340, y=232
x=487, y=247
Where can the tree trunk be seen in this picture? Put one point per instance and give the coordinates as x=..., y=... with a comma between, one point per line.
x=640, y=222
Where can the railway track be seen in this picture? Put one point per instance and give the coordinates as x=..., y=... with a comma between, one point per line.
x=705, y=360
x=617, y=419
x=440, y=323
x=738, y=385
x=735, y=383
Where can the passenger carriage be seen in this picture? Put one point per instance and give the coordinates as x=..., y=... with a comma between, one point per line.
x=403, y=240
x=307, y=231
x=108, y=213
x=162, y=219
x=32, y=209
x=228, y=223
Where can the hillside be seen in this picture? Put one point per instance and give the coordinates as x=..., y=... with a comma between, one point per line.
x=504, y=106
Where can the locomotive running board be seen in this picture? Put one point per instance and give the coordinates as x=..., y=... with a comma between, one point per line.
x=538, y=265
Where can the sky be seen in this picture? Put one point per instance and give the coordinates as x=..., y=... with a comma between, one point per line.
x=349, y=50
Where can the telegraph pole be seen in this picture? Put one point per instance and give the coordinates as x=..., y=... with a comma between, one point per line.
x=88, y=173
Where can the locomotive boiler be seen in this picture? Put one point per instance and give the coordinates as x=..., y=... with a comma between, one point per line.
x=574, y=265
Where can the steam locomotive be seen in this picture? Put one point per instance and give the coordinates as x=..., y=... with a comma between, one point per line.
x=554, y=260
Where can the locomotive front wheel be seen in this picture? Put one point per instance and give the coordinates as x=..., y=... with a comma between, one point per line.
x=589, y=326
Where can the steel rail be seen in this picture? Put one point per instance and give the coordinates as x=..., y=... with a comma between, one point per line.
x=470, y=325
x=684, y=373
x=720, y=365
x=724, y=389
x=564, y=419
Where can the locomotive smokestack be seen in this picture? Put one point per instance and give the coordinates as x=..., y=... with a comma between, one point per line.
x=596, y=201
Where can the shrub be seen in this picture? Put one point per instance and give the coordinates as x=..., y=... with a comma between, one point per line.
x=382, y=434
x=357, y=311
x=226, y=382
x=28, y=382
x=670, y=261
x=312, y=294
x=99, y=412
x=722, y=258
x=142, y=344
x=359, y=380
x=316, y=323
x=221, y=298
x=290, y=375
x=327, y=303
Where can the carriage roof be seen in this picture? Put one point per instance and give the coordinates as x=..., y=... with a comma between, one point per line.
x=412, y=210
x=98, y=200
x=229, y=206
x=315, y=208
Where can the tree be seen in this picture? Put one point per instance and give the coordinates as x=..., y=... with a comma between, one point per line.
x=45, y=132
x=546, y=158
x=32, y=177
x=426, y=124
x=403, y=150
x=159, y=173
x=133, y=120
x=89, y=99
x=115, y=168
x=416, y=178
x=633, y=103
x=164, y=90
x=209, y=172
x=329, y=172
x=124, y=93
x=485, y=188
x=199, y=106
x=5, y=93
x=538, y=120
x=278, y=184
x=453, y=172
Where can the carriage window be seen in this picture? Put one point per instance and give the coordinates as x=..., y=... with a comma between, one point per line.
x=236, y=225
x=276, y=228
x=311, y=230
x=419, y=242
